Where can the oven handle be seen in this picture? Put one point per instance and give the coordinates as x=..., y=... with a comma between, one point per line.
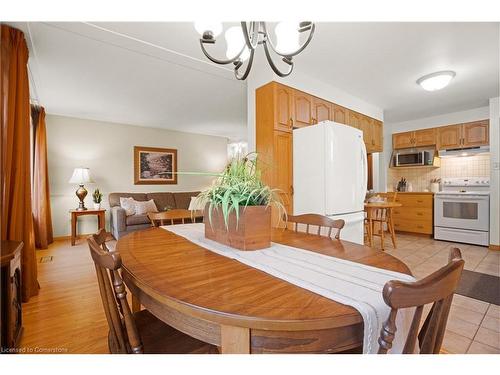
x=463, y=198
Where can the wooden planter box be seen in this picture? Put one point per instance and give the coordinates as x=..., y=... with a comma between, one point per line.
x=253, y=232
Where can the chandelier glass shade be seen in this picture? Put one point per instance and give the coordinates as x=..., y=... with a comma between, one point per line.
x=243, y=40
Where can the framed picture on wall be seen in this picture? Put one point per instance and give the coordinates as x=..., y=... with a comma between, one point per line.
x=155, y=166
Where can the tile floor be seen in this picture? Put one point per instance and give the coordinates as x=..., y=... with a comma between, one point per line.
x=473, y=325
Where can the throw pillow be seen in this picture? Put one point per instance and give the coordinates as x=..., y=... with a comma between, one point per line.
x=197, y=204
x=128, y=204
x=142, y=208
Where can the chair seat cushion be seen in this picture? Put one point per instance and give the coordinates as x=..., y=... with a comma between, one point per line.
x=160, y=338
x=137, y=219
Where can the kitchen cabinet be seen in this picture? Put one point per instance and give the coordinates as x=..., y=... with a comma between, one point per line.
x=354, y=119
x=416, y=213
x=302, y=104
x=424, y=137
x=418, y=138
x=450, y=137
x=283, y=178
x=322, y=110
x=377, y=136
x=284, y=108
x=340, y=114
x=365, y=125
x=476, y=133
x=402, y=140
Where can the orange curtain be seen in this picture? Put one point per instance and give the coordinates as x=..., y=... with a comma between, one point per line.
x=42, y=217
x=17, y=217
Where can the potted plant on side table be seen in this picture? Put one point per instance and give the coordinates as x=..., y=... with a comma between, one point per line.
x=97, y=198
x=238, y=206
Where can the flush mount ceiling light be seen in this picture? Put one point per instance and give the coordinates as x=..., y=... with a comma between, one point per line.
x=242, y=42
x=436, y=81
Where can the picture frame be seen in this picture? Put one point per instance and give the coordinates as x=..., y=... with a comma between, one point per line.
x=155, y=166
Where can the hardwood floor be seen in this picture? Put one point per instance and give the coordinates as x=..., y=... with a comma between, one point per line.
x=67, y=315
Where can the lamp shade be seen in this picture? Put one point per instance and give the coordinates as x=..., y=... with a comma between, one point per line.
x=81, y=176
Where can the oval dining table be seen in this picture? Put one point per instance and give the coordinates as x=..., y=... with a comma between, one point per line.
x=236, y=307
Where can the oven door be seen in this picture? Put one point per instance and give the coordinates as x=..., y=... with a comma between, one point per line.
x=462, y=211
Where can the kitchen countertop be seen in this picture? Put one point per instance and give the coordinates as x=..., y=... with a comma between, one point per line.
x=415, y=192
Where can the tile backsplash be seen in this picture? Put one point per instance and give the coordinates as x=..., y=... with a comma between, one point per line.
x=467, y=166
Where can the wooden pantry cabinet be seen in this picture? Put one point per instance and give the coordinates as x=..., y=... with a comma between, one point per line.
x=280, y=109
x=416, y=213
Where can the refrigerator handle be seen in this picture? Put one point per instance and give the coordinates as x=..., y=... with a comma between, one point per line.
x=365, y=171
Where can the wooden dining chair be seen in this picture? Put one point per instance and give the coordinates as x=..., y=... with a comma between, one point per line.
x=139, y=332
x=381, y=217
x=172, y=216
x=100, y=238
x=316, y=220
x=437, y=288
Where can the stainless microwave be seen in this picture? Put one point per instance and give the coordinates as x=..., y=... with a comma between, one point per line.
x=409, y=158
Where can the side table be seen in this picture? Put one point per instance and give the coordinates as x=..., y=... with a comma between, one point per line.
x=101, y=220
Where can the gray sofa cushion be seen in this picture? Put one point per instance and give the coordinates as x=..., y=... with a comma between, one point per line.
x=164, y=200
x=114, y=198
x=137, y=219
x=183, y=199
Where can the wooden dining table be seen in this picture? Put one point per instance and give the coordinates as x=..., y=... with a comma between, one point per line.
x=236, y=307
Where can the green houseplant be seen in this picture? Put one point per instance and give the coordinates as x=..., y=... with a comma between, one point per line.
x=238, y=206
x=97, y=198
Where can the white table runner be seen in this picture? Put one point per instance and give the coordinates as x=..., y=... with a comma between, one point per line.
x=349, y=283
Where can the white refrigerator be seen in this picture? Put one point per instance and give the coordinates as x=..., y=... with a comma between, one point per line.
x=330, y=175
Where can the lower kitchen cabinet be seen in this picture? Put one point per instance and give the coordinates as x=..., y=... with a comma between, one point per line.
x=416, y=213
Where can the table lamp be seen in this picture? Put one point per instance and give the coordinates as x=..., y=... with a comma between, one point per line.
x=81, y=176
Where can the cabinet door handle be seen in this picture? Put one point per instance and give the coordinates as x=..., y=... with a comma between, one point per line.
x=419, y=201
x=420, y=226
x=420, y=214
x=291, y=122
x=291, y=189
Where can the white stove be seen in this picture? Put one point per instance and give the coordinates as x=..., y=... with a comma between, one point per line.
x=462, y=210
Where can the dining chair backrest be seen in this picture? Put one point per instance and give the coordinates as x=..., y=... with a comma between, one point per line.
x=390, y=196
x=316, y=220
x=438, y=289
x=122, y=328
x=100, y=238
x=169, y=217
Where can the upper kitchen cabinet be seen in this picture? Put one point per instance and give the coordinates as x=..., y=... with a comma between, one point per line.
x=322, y=110
x=476, y=133
x=366, y=125
x=425, y=137
x=340, y=114
x=418, y=138
x=377, y=136
x=449, y=137
x=354, y=119
x=402, y=140
x=303, y=107
x=283, y=97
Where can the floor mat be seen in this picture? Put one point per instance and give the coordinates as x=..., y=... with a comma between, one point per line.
x=480, y=286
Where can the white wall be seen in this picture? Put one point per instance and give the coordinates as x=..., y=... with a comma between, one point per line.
x=262, y=74
x=494, y=115
x=423, y=123
x=107, y=149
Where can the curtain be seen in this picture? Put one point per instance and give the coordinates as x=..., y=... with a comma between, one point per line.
x=17, y=217
x=42, y=217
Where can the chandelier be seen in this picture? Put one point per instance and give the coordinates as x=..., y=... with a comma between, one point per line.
x=243, y=40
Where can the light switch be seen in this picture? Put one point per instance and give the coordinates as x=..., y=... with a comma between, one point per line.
x=496, y=165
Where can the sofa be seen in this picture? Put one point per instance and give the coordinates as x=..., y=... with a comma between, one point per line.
x=122, y=224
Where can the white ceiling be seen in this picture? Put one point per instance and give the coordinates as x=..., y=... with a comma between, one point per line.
x=154, y=74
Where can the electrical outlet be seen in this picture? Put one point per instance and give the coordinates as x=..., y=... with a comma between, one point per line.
x=496, y=165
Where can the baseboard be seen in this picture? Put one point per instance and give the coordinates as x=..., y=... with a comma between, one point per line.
x=78, y=237
x=415, y=234
x=494, y=247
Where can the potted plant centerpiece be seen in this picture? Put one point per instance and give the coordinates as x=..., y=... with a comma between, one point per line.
x=97, y=198
x=238, y=206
